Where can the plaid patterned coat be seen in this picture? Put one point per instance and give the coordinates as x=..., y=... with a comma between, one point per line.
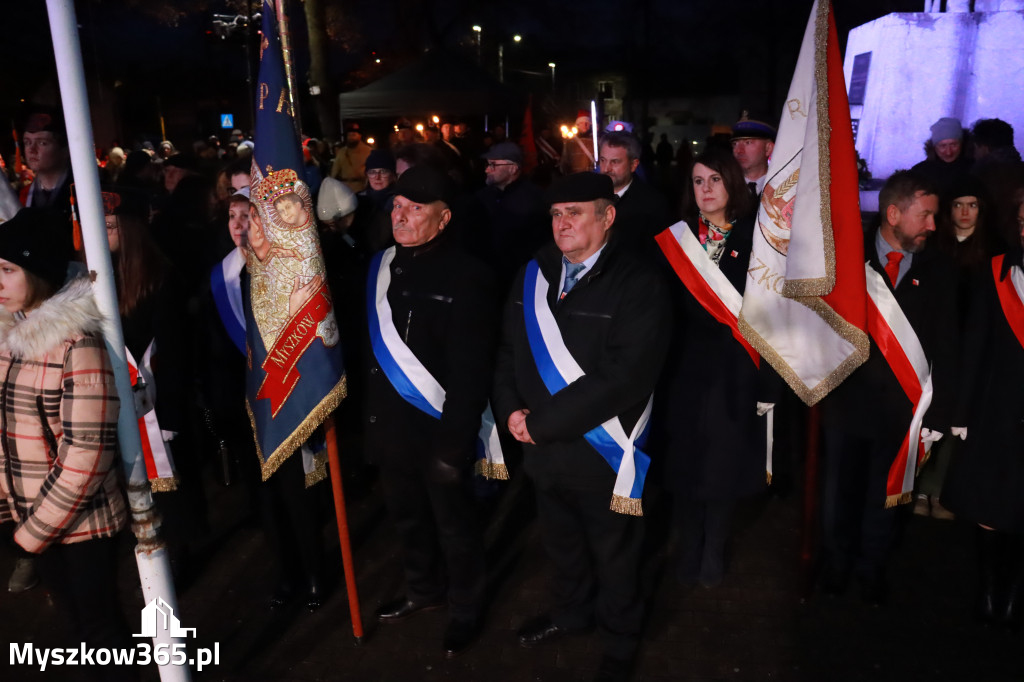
x=60, y=478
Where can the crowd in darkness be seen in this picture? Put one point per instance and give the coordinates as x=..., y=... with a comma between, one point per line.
x=467, y=223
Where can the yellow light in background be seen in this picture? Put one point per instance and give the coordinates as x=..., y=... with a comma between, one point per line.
x=396, y=128
x=419, y=127
x=435, y=119
x=370, y=141
x=377, y=60
x=477, y=28
x=575, y=131
x=565, y=131
x=517, y=38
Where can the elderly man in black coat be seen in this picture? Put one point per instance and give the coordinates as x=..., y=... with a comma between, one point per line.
x=432, y=328
x=868, y=416
x=584, y=337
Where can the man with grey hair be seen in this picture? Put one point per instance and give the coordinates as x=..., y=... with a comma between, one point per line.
x=641, y=211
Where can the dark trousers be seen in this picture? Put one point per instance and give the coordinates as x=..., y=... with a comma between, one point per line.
x=289, y=517
x=83, y=577
x=703, y=533
x=596, y=553
x=859, y=531
x=437, y=525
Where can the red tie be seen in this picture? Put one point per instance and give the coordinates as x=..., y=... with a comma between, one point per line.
x=892, y=268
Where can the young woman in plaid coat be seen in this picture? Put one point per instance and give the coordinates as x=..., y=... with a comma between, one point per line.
x=60, y=481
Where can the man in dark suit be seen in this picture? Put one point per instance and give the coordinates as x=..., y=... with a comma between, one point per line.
x=640, y=211
x=609, y=313
x=868, y=416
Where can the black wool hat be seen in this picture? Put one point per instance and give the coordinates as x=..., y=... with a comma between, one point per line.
x=585, y=186
x=425, y=185
x=380, y=158
x=38, y=240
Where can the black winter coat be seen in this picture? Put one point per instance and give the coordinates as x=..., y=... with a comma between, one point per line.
x=712, y=440
x=615, y=323
x=640, y=214
x=870, y=401
x=985, y=482
x=444, y=307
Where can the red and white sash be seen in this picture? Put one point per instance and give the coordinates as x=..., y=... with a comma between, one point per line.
x=1011, y=296
x=902, y=350
x=704, y=280
x=712, y=289
x=156, y=452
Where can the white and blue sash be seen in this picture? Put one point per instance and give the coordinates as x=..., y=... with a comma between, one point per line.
x=407, y=374
x=558, y=369
x=227, y=295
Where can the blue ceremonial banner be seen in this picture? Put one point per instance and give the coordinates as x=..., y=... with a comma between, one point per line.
x=295, y=376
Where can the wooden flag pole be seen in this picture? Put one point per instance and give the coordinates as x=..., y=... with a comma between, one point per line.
x=342, y=518
x=810, y=517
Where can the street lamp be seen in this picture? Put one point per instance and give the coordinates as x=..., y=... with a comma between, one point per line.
x=517, y=38
x=479, y=31
x=551, y=65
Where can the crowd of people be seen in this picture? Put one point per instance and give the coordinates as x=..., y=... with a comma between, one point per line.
x=475, y=277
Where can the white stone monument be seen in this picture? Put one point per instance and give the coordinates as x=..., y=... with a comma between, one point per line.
x=905, y=71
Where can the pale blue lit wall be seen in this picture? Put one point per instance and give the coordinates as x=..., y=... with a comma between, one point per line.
x=926, y=65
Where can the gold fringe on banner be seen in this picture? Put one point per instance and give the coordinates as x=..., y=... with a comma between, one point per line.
x=626, y=505
x=768, y=475
x=302, y=432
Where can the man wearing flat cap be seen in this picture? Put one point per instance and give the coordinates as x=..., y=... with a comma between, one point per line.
x=516, y=212
x=584, y=337
x=432, y=329
x=753, y=141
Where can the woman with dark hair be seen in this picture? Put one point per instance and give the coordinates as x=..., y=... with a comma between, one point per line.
x=712, y=436
x=156, y=335
x=60, y=479
x=964, y=230
x=986, y=476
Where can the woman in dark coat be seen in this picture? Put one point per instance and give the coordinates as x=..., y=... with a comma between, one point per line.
x=986, y=476
x=965, y=229
x=713, y=439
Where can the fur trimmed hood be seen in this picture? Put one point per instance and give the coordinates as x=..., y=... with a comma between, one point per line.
x=67, y=315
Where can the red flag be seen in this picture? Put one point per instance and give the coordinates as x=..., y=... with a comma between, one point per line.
x=526, y=139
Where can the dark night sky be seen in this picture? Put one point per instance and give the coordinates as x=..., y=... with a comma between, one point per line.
x=666, y=47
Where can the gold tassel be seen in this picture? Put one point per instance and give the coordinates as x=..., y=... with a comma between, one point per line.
x=319, y=471
x=768, y=475
x=626, y=505
x=894, y=500
x=492, y=471
x=163, y=485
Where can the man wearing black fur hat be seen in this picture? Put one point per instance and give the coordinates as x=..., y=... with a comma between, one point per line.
x=585, y=334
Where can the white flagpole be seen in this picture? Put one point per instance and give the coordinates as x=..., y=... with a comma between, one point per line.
x=150, y=552
x=593, y=132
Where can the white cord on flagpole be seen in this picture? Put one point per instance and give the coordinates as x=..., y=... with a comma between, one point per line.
x=150, y=552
